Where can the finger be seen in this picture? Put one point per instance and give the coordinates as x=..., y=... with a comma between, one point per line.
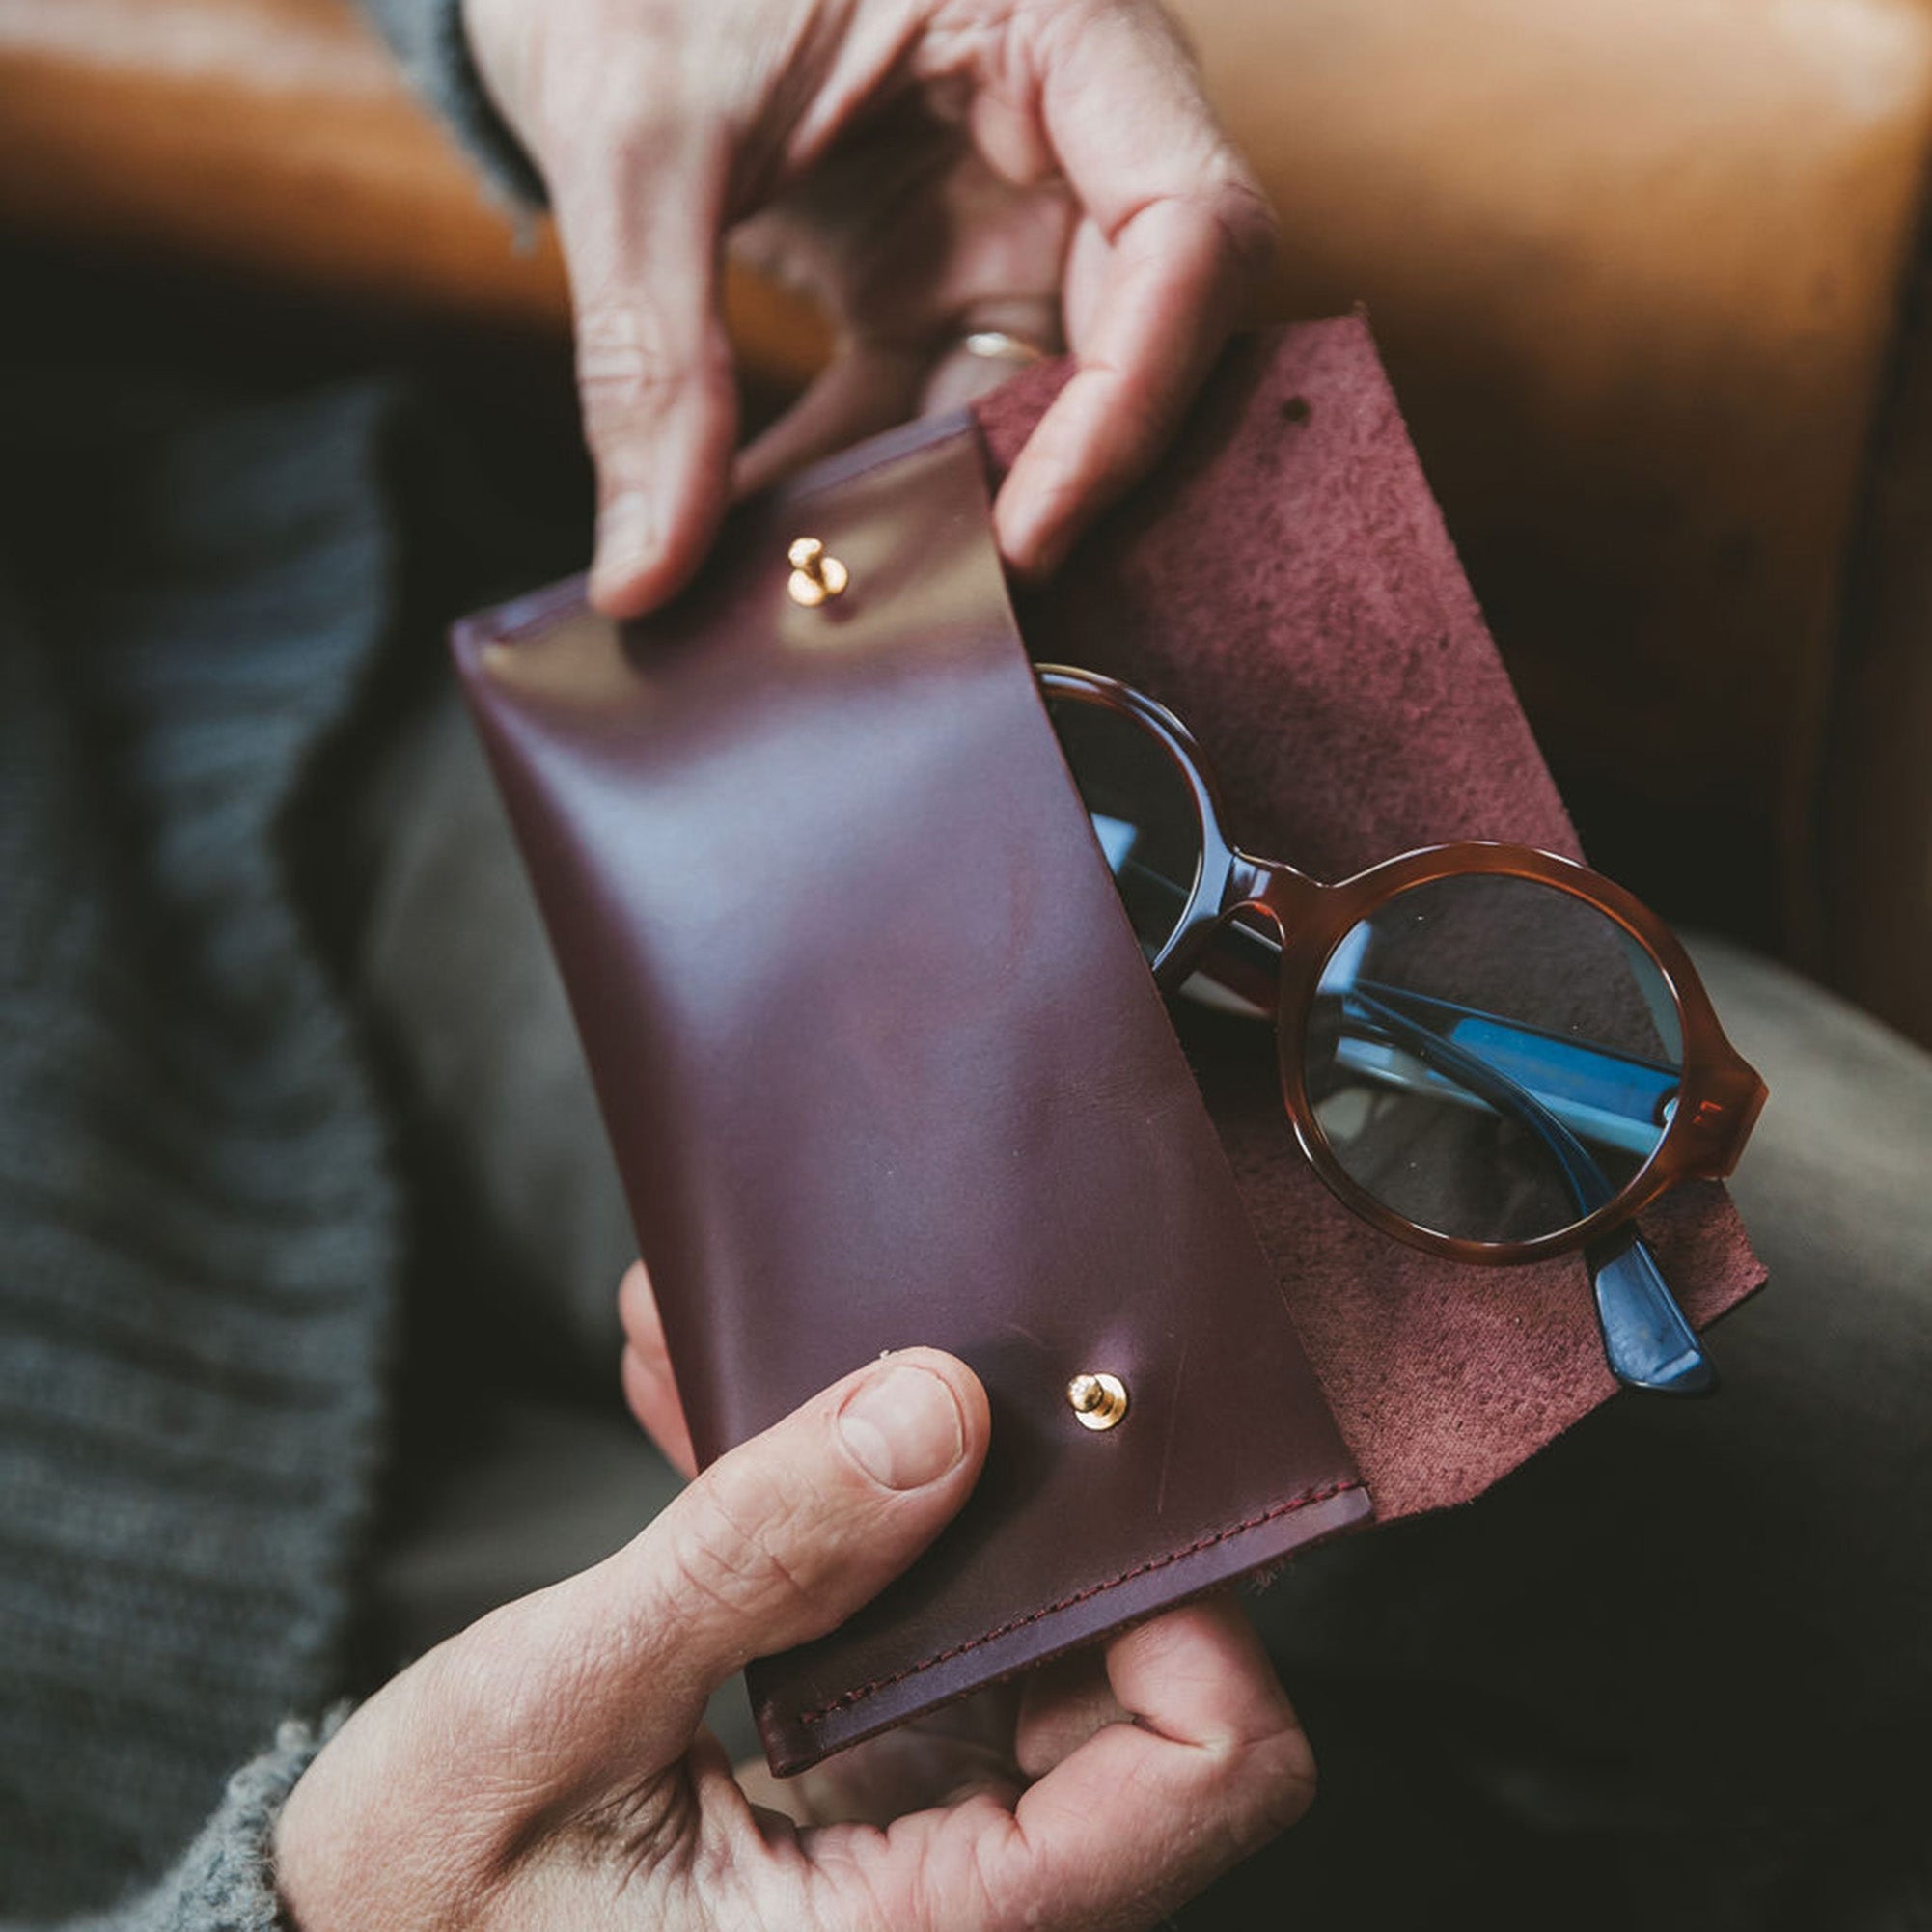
x=773, y=1544
x=993, y=342
x=649, y=1387
x=651, y=1396
x=1213, y=1764
x=783, y=1538
x=869, y=386
x=1140, y=1817
x=1175, y=231
x=1061, y=1708
x=865, y=388
x=961, y=1750
x=880, y=1782
x=637, y=1311
x=638, y=213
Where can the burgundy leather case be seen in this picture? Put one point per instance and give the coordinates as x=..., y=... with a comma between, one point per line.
x=882, y=1064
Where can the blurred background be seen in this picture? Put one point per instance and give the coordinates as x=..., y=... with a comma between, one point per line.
x=1647, y=278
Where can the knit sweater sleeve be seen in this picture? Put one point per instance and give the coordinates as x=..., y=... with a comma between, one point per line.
x=429, y=40
x=225, y=1882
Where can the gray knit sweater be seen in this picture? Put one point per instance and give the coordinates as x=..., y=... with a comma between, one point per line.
x=197, y=1249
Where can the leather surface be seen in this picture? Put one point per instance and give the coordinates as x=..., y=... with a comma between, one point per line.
x=753, y=827
x=883, y=1065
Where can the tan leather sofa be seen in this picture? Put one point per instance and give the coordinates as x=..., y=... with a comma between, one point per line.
x=1643, y=273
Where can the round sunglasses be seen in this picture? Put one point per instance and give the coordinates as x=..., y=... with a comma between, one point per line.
x=1485, y=1050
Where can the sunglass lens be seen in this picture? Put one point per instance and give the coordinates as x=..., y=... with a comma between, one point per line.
x=1492, y=1058
x=1142, y=813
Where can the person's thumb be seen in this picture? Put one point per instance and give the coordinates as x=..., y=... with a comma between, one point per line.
x=569, y=1703
x=772, y=1545
x=654, y=368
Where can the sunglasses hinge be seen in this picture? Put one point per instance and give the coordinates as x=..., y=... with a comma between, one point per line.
x=1279, y=888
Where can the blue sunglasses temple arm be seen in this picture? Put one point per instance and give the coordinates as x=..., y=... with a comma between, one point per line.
x=1646, y=1338
x=1647, y=1341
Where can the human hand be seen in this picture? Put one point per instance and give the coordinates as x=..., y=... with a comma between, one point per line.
x=924, y=168
x=1197, y=1676
x=546, y=1767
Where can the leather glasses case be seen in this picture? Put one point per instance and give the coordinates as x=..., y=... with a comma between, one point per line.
x=880, y=1059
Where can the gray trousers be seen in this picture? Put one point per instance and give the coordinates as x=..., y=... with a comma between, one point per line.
x=1677, y=1670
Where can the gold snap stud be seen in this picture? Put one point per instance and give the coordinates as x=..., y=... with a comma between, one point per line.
x=1099, y=1402
x=816, y=575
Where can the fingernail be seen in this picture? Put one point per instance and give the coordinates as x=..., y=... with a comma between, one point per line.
x=626, y=539
x=903, y=1427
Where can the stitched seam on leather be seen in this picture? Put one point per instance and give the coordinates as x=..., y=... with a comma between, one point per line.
x=847, y=1698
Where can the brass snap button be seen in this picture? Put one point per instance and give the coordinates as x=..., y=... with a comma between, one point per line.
x=1099, y=1400
x=816, y=575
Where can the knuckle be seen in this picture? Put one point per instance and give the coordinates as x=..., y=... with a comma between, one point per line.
x=625, y=367
x=1293, y=1778
x=1058, y=27
x=1264, y=1786
x=986, y=1881
x=1250, y=222
x=633, y=368
x=732, y=1555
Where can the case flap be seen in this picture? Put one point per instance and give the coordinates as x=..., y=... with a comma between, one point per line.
x=882, y=1065
x=1285, y=581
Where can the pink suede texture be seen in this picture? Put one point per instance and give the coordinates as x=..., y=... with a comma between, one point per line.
x=1285, y=581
